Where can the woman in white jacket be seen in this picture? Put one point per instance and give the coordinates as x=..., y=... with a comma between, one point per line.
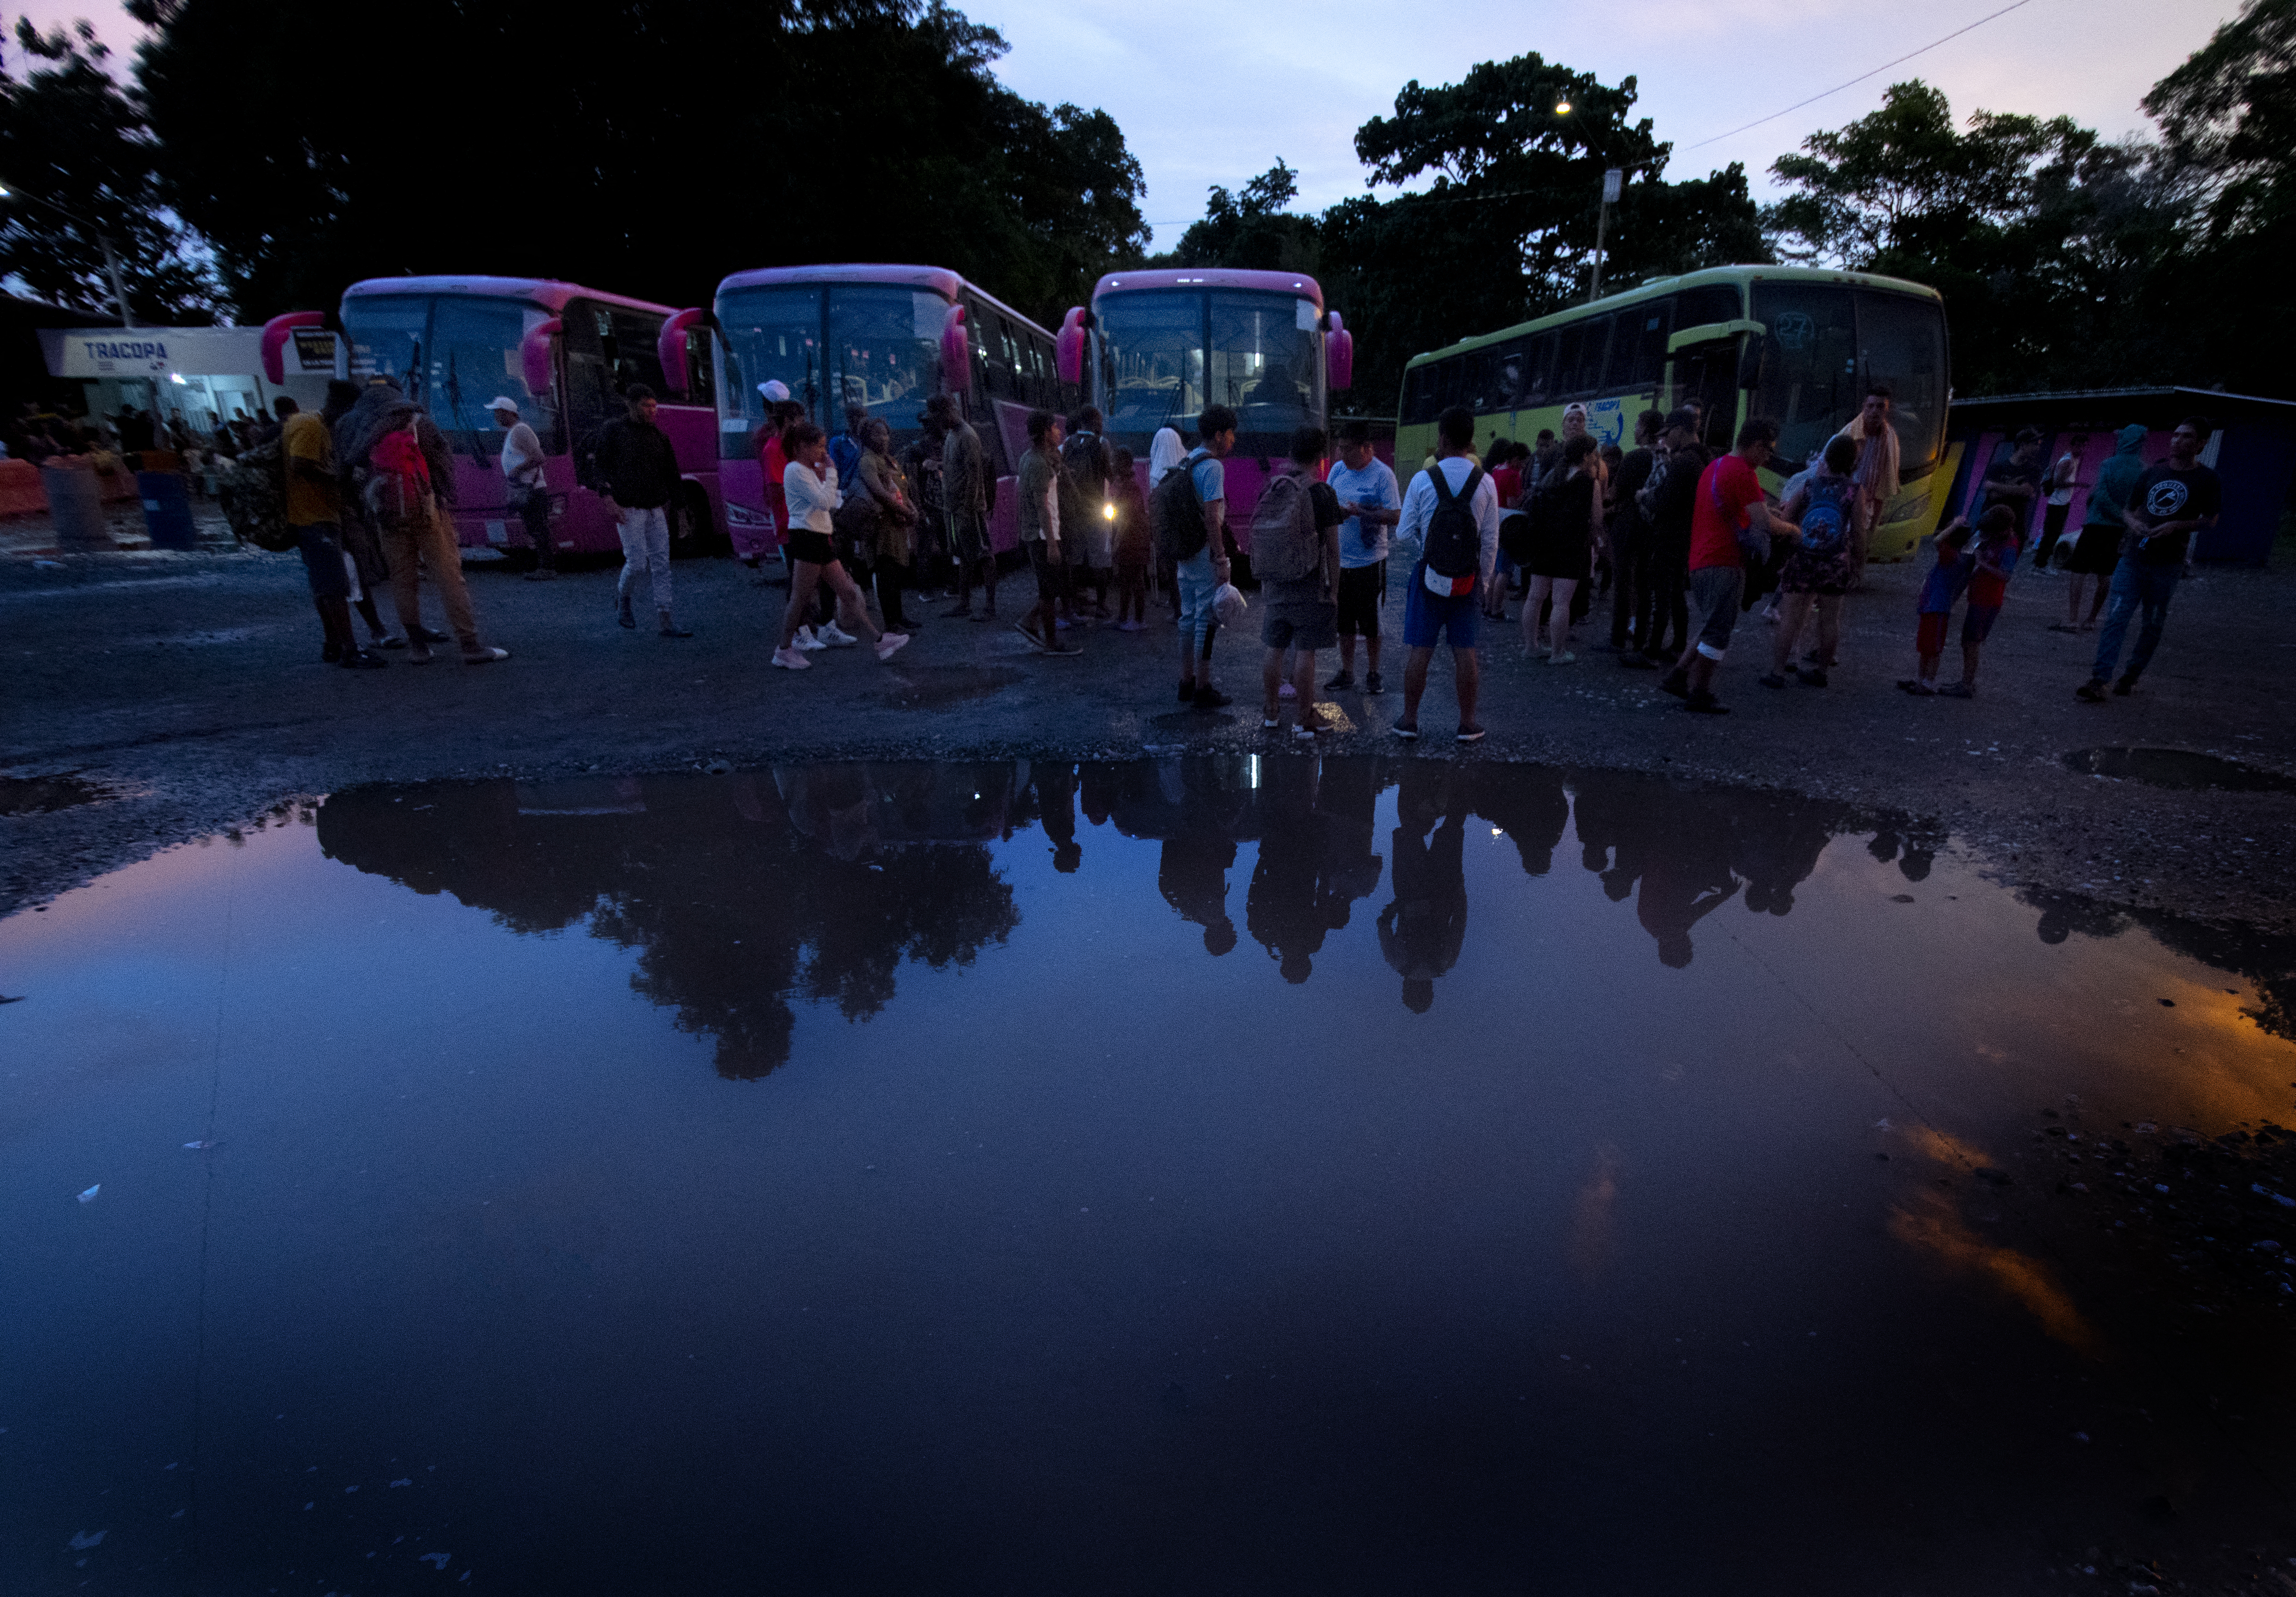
x=809, y=487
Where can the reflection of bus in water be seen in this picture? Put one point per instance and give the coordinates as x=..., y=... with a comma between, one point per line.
x=1157, y=347
x=887, y=338
x=1797, y=345
x=564, y=354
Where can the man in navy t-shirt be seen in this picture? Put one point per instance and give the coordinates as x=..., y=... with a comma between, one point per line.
x=2170, y=504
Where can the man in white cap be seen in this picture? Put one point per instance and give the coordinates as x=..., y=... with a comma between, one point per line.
x=522, y=470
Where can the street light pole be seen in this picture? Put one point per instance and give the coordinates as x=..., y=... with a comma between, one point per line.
x=104, y=242
x=1614, y=181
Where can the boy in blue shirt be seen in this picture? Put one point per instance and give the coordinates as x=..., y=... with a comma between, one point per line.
x=1944, y=586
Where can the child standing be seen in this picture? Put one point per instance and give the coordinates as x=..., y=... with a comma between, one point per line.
x=1132, y=545
x=1940, y=591
x=1996, y=559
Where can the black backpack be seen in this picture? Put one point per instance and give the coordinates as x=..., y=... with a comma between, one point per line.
x=1177, y=515
x=1454, y=543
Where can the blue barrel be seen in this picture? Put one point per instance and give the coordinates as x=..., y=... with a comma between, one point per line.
x=167, y=509
x=75, y=508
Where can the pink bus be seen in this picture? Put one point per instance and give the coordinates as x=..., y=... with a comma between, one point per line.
x=564, y=353
x=884, y=337
x=1156, y=348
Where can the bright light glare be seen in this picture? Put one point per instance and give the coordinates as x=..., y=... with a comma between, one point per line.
x=1107, y=511
x=1562, y=108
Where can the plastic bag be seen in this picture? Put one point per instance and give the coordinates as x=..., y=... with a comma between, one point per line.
x=1228, y=606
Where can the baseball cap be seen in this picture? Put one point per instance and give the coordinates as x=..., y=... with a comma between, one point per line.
x=502, y=402
x=775, y=390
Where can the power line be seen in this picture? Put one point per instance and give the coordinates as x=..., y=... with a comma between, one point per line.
x=1861, y=77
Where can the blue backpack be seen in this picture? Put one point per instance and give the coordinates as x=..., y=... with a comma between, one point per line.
x=1825, y=519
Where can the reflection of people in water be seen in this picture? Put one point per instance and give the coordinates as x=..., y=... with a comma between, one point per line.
x=1423, y=931
x=1621, y=817
x=1192, y=876
x=1055, y=785
x=1777, y=842
x=1293, y=901
x=1686, y=878
x=1528, y=803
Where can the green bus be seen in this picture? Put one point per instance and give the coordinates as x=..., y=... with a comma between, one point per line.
x=1799, y=345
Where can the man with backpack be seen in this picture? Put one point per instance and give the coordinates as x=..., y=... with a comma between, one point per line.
x=1453, y=510
x=1189, y=513
x=1730, y=528
x=1295, y=550
x=1086, y=466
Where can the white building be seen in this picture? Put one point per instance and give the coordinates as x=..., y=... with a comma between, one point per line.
x=210, y=375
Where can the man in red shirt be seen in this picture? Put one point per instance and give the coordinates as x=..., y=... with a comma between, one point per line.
x=1729, y=506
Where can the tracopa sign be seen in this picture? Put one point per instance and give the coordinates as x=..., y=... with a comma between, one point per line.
x=124, y=351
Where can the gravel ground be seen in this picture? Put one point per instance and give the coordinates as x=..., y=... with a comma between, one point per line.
x=187, y=688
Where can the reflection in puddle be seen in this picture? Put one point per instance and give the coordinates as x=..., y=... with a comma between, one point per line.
x=39, y=795
x=1215, y=1173
x=2178, y=768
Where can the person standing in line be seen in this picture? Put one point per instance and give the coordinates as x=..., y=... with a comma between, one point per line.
x=1370, y=503
x=1995, y=563
x=2170, y=504
x=964, y=488
x=1566, y=519
x=1087, y=466
x=1666, y=502
x=638, y=476
x=1040, y=506
x=1189, y=512
x=1506, y=481
x=522, y=470
x=369, y=571
x=2096, y=552
x=313, y=507
x=888, y=486
x=1876, y=472
x=2065, y=477
x=1459, y=512
x=1629, y=536
x=403, y=503
x=1727, y=510
x=845, y=448
x=1133, y=547
x=1822, y=513
x=750, y=546
x=1941, y=589
x=1300, y=613
x=2016, y=480
x=920, y=461
x=1165, y=451
x=809, y=486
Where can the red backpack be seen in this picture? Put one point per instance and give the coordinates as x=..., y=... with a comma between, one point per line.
x=398, y=480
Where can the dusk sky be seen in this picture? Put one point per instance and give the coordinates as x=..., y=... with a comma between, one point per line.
x=1210, y=92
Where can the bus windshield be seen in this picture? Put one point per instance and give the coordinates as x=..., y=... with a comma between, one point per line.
x=1166, y=354
x=1826, y=343
x=451, y=354
x=879, y=349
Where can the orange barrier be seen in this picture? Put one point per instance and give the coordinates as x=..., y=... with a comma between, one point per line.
x=20, y=493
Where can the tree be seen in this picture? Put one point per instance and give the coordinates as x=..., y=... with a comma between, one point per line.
x=71, y=136
x=2230, y=115
x=1252, y=230
x=647, y=148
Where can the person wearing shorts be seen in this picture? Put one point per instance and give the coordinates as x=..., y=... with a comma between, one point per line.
x=2097, y=554
x=1940, y=590
x=809, y=486
x=1368, y=498
x=1302, y=616
x=1992, y=562
x=1729, y=502
x=1428, y=617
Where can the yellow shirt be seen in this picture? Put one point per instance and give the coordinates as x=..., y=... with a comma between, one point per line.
x=306, y=437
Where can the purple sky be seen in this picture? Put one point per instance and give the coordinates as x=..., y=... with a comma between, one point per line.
x=1212, y=92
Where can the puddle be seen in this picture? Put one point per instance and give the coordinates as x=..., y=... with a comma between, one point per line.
x=2177, y=768
x=1281, y=1173
x=931, y=687
x=39, y=795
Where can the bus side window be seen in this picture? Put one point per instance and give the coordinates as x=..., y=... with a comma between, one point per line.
x=1539, y=383
x=1645, y=331
x=1565, y=380
x=1478, y=388
x=1716, y=302
x=1514, y=374
x=1448, y=373
x=1594, y=358
x=637, y=350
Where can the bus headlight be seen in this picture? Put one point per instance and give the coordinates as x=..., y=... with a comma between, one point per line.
x=1108, y=510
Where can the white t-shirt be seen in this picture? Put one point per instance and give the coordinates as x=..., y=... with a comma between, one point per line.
x=1362, y=543
x=521, y=455
x=1419, y=505
x=2066, y=468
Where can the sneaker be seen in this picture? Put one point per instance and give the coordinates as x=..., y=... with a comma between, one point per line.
x=834, y=636
x=419, y=654
x=2125, y=687
x=1676, y=682
x=1917, y=687
x=1407, y=730
x=791, y=659
x=1371, y=682
x=361, y=660
x=1771, y=680
x=671, y=629
x=1304, y=735
x=1209, y=697
x=423, y=634
x=2092, y=691
x=1812, y=676
x=1470, y=734
x=891, y=643
x=484, y=656
x=1956, y=690
x=1345, y=679
x=1705, y=704
x=806, y=642
x=1287, y=691
x=1269, y=721
x=1564, y=658
x=625, y=614
x=1060, y=651
x=392, y=641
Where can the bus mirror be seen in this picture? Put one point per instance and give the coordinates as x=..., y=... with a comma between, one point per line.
x=1067, y=348
x=955, y=353
x=276, y=331
x=1339, y=355
x=1749, y=363
x=669, y=348
x=534, y=356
